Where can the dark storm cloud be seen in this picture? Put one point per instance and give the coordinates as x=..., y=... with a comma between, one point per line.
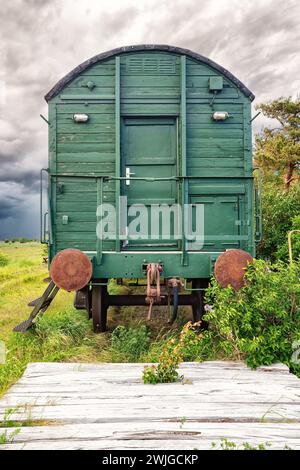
x=42, y=40
x=7, y=205
x=26, y=178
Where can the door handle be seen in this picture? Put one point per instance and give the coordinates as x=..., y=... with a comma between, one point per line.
x=128, y=173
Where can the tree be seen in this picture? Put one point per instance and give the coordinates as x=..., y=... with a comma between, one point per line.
x=278, y=149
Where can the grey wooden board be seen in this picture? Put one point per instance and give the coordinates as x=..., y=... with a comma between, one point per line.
x=106, y=406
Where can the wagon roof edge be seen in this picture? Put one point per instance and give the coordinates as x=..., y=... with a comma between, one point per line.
x=144, y=47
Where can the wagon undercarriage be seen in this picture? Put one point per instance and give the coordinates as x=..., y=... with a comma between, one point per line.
x=96, y=300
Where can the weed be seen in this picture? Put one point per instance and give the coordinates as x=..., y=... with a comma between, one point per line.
x=260, y=322
x=129, y=343
x=3, y=260
x=173, y=353
x=8, y=436
x=226, y=444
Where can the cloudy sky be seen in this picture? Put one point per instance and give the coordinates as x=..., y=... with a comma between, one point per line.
x=42, y=40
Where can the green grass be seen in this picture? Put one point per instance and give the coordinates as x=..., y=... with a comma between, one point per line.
x=64, y=333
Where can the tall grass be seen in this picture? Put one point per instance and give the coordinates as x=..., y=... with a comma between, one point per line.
x=65, y=334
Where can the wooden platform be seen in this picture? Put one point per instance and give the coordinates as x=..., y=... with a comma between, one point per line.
x=106, y=406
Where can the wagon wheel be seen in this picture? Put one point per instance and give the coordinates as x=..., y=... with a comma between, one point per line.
x=99, y=308
x=198, y=306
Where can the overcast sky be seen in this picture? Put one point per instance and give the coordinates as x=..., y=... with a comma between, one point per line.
x=42, y=40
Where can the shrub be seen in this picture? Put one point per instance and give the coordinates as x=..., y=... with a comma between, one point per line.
x=55, y=337
x=3, y=260
x=279, y=212
x=260, y=322
x=166, y=370
x=174, y=351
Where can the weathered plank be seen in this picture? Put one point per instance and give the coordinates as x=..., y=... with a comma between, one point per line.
x=106, y=406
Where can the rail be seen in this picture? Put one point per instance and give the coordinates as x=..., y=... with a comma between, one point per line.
x=258, y=208
x=45, y=235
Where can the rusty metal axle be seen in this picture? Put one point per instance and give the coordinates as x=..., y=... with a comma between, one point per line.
x=119, y=300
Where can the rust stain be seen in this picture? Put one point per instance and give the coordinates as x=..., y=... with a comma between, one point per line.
x=71, y=269
x=230, y=268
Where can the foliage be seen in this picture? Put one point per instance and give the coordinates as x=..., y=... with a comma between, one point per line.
x=280, y=214
x=65, y=334
x=19, y=240
x=8, y=436
x=279, y=148
x=282, y=251
x=129, y=343
x=3, y=260
x=260, y=322
x=173, y=353
x=166, y=370
x=225, y=444
x=55, y=338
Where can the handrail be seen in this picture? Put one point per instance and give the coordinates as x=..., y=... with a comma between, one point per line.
x=138, y=178
x=258, y=209
x=99, y=179
x=99, y=244
x=43, y=217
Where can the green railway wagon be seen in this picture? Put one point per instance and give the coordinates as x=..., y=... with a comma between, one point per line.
x=144, y=142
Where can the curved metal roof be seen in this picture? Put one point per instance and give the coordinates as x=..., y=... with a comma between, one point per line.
x=144, y=47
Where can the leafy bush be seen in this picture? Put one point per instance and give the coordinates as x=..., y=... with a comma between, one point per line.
x=3, y=260
x=129, y=343
x=166, y=370
x=260, y=322
x=279, y=212
x=174, y=351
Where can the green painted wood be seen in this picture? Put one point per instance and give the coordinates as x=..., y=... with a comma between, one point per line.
x=66, y=147
x=98, y=81
x=217, y=163
x=85, y=167
x=216, y=132
x=141, y=86
x=89, y=138
x=103, y=91
x=88, y=157
x=91, y=127
x=105, y=68
x=145, y=142
x=88, y=196
x=118, y=147
x=225, y=225
x=150, y=81
x=150, y=109
x=84, y=107
x=52, y=143
x=183, y=155
x=87, y=246
x=79, y=185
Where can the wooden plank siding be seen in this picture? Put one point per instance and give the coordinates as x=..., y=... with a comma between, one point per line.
x=149, y=86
